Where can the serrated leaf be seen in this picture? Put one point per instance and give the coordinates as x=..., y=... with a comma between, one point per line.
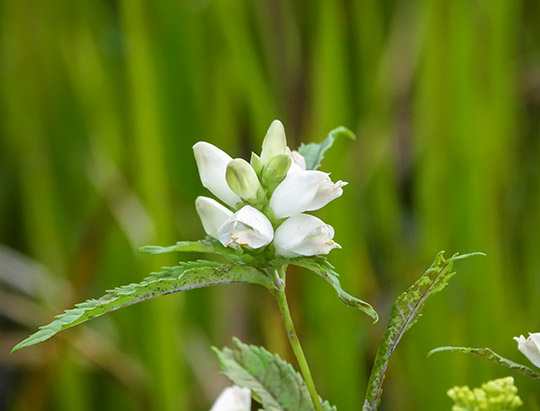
x=186, y=276
x=405, y=311
x=272, y=381
x=314, y=152
x=322, y=267
x=488, y=354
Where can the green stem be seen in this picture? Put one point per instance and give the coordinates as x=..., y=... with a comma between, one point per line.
x=295, y=343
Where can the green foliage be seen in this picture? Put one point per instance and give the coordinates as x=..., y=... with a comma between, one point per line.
x=405, y=312
x=322, y=267
x=496, y=395
x=314, y=152
x=488, y=354
x=273, y=382
x=185, y=276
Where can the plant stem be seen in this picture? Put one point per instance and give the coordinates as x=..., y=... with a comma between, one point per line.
x=295, y=343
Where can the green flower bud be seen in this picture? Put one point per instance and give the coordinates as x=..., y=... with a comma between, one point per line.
x=276, y=170
x=257, y=164
x=274, y=142
x=243, y=180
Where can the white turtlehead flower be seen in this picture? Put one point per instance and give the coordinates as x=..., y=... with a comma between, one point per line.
x=247, y=227
x=303, y=190
x=304, y=235
x=212, y=214
x=212, y=164
x=233, y=399
x=530, y=347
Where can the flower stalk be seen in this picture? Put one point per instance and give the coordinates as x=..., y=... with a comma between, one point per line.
x=295, y=342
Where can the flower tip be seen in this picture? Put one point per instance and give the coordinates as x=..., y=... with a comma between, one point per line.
x=275, y=141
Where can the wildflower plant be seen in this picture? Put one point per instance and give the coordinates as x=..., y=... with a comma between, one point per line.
x=260, y=222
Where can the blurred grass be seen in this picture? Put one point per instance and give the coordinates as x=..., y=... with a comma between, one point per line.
x=101, y=102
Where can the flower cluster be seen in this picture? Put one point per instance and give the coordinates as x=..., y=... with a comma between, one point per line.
x=498, y=394
x=267, y=198
x=530, y=347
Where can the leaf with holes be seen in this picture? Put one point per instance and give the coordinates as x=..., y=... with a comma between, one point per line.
x=405, y=312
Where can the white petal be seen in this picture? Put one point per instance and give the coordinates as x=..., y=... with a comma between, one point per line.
x=327, y=192
x=296, y=192
x=212, y=214
x=212, y=164
x=247, y=227
x=529, y=348
x=535, y=338
x=298, y=159
x=304, y=235
x=274, y=142
x=233, y=399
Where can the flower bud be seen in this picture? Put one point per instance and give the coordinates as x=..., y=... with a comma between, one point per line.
x=212, y=214
x=276, y=170
x=256, y=163
x=212, y=164
x=247, y=227
x=304, y=191
x=233, y=399
x=274, y=142
x=530, y=347
x=304, y=235
x=243, y=180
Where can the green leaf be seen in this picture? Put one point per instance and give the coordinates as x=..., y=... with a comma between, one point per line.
x=182, y=246
x=273, y=382
x=322, y=267
x=314, y=152
x=210, y=245
x=405, y=312
x=492, y=356
x=185, y=276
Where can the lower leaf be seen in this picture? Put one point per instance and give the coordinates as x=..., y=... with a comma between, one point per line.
x=186, y=276
x=273, y=382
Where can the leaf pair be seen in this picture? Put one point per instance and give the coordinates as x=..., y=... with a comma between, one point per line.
x=187, y=276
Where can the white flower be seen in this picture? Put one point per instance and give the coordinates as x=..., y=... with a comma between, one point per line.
x=212, y=164
x=247, y=227
x=304, y=235
x=212, y=214
x=274, y=142
x=303, y=190
x=530, y=347
x=233, y=399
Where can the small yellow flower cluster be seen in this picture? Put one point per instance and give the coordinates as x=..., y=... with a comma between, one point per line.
x=496, y=395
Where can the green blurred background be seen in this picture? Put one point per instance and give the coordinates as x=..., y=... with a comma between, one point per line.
x=100, y=104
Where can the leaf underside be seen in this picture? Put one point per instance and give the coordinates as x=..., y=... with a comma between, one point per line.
x=186, y=276
x=488, y=354
x=404, y=314
x=273, y=382
x=314, y=152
